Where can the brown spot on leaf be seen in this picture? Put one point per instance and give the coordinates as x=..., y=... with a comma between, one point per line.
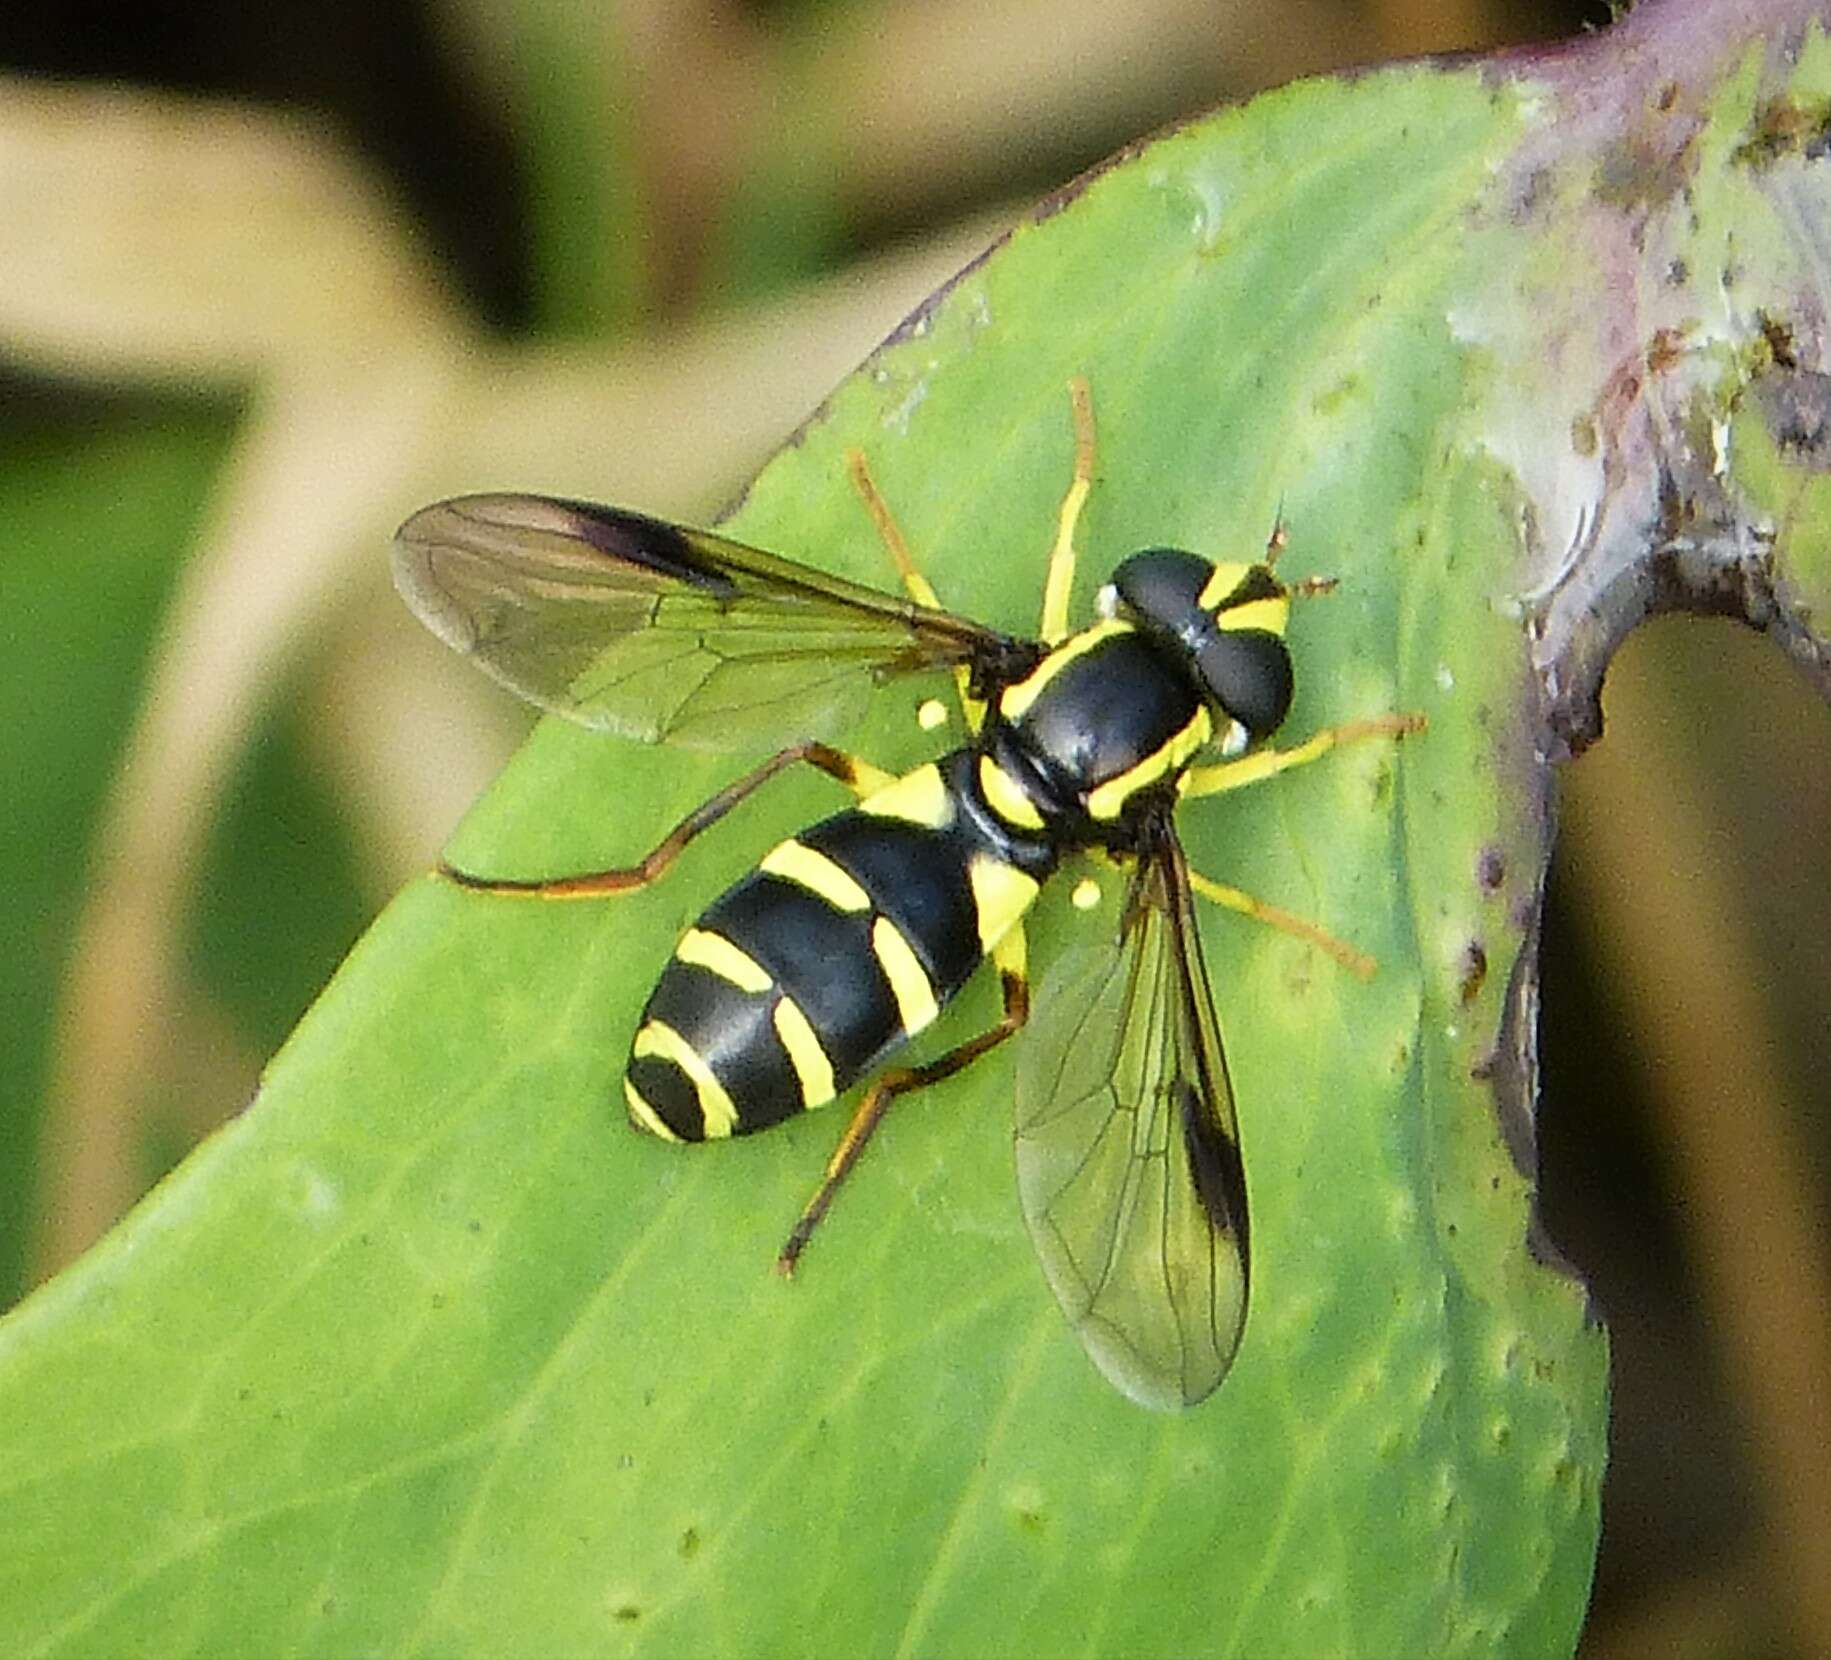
x=1784, y=128
x=1474, y=971
x=1797, y=406
x=1490, y=869
x=1779, y=340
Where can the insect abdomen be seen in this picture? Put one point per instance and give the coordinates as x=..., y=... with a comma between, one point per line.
x=846, y=941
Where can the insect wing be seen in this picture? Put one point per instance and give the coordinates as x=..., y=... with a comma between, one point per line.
x=643, y=628
x=1127, y=1156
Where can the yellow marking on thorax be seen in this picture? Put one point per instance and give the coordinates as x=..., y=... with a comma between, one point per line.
x=721, y=957
x=1108, y=800
x=643, y=1116
x=804, y=1052
x=920, y=797
x=796, y=862
x=715, y=1108
x=909, y=983
x=1001, y=894
x=1227, y=576
x=1273, y=615
x=1005, y=796
x=1013, y=701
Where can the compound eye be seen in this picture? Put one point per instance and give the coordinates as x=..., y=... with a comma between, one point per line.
x=1160, y=586
x=1248, y=674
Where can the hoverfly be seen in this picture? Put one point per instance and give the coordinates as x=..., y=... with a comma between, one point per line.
x=845, y=941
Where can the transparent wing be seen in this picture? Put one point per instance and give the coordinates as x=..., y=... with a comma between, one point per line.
x=652, y=631
x=1128, y=1160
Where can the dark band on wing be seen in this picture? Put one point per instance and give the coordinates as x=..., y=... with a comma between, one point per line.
x=1215, y=1165
x=1216, y=1168
x=662, y=633
x=652, y=543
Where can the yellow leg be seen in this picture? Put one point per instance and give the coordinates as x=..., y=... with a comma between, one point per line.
x=1009, y=957
x=1237, y=899
x=860, y=777
x=919, y=588
x=1059, y=583
x=1267, y=763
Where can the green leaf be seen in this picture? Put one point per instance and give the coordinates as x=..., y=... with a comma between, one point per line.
x=430, y=1353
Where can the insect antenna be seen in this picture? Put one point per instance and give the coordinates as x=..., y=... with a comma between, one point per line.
x=1275, y=543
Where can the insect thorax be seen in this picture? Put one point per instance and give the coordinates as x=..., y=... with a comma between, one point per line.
x=1072, y=750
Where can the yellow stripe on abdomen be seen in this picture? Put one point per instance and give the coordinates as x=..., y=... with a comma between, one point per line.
x=1001, y=895
x=909, y=983
x=805, y=1054
x=919, y=797
x=795, y=862
x=721, y=957
x=643, y=1116
x=659, y=1039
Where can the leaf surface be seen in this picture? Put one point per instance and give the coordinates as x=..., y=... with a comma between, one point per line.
x=429, y=1353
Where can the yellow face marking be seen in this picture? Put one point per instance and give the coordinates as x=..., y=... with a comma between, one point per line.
x=663, y=1042
x=817, y=873
x=1005, y=797
x=1227, y=576
x=727, y=961
x=804, y=1052
x=1086, y=894
x=1273, y=615
x=920, y=797
x=1014, y=700
x=1108, y=800
x=1001, y=894
x=931, y=714
x=643, y=1116
x=915, y=997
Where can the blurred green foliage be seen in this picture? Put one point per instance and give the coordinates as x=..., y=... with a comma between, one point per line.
x=99, y=499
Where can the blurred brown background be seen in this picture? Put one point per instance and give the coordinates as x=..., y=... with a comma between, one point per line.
x=270, y=277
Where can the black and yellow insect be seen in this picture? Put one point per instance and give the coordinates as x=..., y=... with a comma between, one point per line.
x=850, y=938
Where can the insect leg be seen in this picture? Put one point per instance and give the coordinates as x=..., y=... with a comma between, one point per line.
x=1059, y=582
x=1237, y=899
x=1010, y=957
x=920, y=589
x=1267, y=763
x=857, y=775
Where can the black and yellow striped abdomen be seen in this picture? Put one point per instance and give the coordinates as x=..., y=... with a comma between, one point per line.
x=845, y=941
